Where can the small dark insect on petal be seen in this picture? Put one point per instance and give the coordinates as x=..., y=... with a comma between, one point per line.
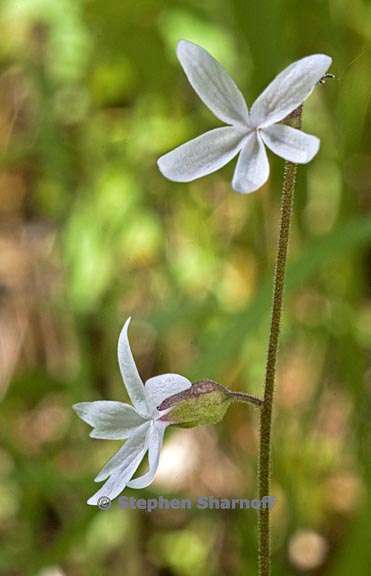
x=326, y=77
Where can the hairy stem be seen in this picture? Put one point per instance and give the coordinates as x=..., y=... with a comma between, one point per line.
x=264, y=470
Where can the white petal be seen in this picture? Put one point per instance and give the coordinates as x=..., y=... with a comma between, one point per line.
x=252, y=168
x=110, y=420
x=126, y=454
x=161, y=387
x=212, y=83
x=290, y=143
x=289, y=89
x=118, y=479
x=155, y=444
x=129, y=372
x=202, y=155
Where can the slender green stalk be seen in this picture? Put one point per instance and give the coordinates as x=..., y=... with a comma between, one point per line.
x=249, y=398
x=264, y=470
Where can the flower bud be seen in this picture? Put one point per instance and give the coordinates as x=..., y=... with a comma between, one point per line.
x=205, y=402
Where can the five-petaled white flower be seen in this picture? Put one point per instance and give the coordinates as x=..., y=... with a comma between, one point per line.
x=140, y=424
x=247, y=132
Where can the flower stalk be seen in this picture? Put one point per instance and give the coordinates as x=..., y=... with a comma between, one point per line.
x=265, y=465
x=249, y=398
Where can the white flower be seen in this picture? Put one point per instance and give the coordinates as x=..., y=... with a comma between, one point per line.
x=247, y=132
x=139, y=424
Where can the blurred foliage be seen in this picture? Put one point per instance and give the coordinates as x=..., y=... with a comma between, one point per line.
x=91, y=95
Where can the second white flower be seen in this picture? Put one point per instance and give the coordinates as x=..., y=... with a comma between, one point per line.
x=247, y=132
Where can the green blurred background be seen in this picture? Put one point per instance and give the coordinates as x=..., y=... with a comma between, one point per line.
x=91, y=94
